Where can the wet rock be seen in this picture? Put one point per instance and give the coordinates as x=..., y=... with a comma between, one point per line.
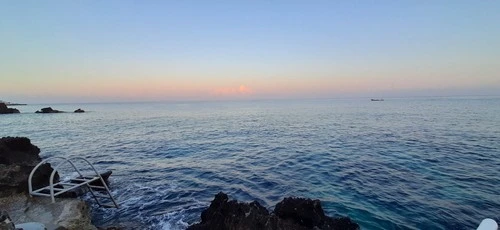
x=291, y=213
x=83, y=190
x=17, y=158
x=48, y=110
x=308, y=212
x=105, y=176
x=225, y=214
x=79, y=111
x=5, y=110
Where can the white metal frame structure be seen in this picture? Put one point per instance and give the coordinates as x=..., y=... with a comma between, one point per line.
x=65, y=186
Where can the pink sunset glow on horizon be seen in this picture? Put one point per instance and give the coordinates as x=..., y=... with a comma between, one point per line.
x=232, y=91
x=98, y=52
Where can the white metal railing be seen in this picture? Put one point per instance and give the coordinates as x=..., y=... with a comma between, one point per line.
x=61, y=187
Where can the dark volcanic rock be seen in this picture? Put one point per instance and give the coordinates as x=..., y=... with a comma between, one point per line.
x=5, y=110
x=307, y=211
x=83, y=190
x=225, y=214
x=310, y=214
x=79, y=111
x=290, y=214
x=105, y=176
x=17, y=158
x=48, y=110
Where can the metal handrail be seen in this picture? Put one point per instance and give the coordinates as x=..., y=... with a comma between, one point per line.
x=52, y=175
x=30, y=187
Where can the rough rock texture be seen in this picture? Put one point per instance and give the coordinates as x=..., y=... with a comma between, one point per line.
x=105, y=176
x=5, y=110
x=290, y=214
x=5, y=221
x=79, y=111
x=225, y=214
x=309, y=213
x=48, y=110
x=17, y=158
x=64, y=214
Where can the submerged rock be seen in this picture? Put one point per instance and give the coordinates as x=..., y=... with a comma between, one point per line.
x=48, y=110
x=17, y=158
x=79, y=111
x=105, y=176
x=83, y=190
x=5, y=110
x=291, y=213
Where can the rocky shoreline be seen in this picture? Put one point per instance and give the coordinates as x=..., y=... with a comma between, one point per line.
x=18, y=157
x=290, y=213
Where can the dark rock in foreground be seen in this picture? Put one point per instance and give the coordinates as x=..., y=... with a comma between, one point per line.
x=290, y=214
x=17, y=158
x=5, y=110
x=48, y=110
x=79, y=111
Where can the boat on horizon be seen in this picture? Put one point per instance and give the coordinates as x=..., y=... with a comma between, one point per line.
x=377, y=99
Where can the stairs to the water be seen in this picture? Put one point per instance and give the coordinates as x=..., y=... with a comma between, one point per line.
x=100, y=193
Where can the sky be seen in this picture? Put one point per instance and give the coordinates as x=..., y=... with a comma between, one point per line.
x=104, y=51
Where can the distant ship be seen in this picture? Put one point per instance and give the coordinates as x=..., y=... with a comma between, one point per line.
x=377, y=99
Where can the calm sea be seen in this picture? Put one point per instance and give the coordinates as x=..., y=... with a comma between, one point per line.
x=424, y=163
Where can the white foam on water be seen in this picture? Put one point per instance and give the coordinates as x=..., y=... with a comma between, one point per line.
x=69, y=176
x=173, y=220
x=166, y=226
x=138, y=203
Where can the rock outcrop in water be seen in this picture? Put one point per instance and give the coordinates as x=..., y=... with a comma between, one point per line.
x=79, y=111
x=48, y=110
x=17, y=158
x=290, y=214
x=5, y=110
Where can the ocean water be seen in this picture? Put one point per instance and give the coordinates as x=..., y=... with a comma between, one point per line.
x=421, y=163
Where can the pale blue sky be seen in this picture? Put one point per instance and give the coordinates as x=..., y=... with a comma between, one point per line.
x=175, y=50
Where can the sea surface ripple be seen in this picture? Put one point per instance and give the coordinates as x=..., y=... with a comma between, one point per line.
x=423, y=163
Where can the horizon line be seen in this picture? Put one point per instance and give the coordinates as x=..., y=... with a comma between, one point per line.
x=257, y=99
